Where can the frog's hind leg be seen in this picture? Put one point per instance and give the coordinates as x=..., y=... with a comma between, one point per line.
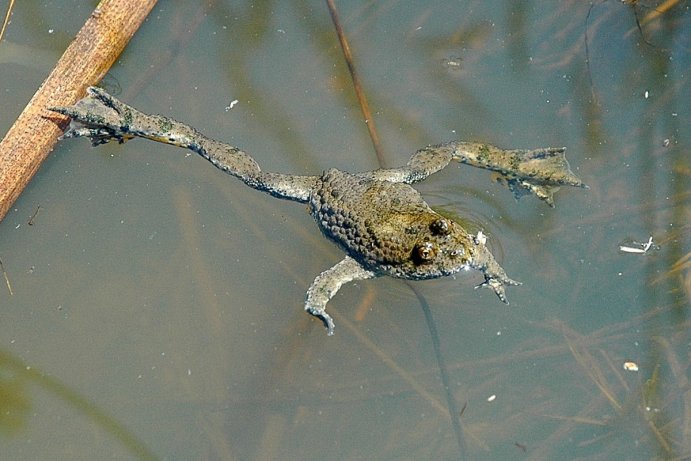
x=328, y=283
x=102, y=118
x=539, y=171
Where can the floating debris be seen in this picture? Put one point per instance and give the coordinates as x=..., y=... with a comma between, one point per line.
x=452, y=62
x=523, y=448
x=630, y=366
x=232, y=104
x=31, y=219
x=637, y=247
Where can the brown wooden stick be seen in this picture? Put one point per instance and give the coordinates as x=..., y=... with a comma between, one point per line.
x=84, y=63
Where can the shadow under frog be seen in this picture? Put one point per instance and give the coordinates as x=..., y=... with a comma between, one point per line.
x=380, y=222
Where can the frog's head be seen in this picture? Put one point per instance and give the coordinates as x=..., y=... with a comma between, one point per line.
x=448, y=248
x=442, y=247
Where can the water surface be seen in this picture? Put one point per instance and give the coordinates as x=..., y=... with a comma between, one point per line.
x=166, y=297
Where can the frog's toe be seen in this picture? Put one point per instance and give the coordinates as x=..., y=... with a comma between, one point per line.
x=97, y=135
x=323, y=316
x=317, y=297
x=81, y=126
x=74, y=112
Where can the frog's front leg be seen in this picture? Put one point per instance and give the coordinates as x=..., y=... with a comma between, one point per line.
x=495, y=276
x=328, y=283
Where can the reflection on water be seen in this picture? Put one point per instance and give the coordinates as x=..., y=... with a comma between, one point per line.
x=169, y=295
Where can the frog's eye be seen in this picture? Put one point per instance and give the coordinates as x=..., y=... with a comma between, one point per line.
x=440, y=227
x=424, y=252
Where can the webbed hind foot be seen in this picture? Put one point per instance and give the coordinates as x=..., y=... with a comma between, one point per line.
x=540, y=172
x=99, y=117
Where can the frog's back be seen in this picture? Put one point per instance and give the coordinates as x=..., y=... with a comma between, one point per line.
x=386, y=226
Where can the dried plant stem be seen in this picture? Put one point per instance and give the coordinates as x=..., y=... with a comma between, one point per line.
x=454, y=412
x=659, y=11
x=393, y=365
x=590, y=365
x=84, y=63
x=362, y=99
x=7, y=18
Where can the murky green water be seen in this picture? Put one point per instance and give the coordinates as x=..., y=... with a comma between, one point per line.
x=158, y=301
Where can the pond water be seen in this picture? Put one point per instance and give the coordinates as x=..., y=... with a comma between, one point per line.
x=156, y=306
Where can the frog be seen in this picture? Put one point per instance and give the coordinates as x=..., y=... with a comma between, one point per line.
x=382, y=224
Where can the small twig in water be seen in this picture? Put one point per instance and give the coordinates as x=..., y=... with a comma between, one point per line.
x=31, y=219
x=587, y=53
x=7, y=280
x=634, y=4
x=359, y=92
x=465, y=405
x=7, y=18
x=521, y=446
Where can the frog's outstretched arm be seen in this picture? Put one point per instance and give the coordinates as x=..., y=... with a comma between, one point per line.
x=328, y=283
x=102, y=118
x=495, y=276
x=539, y=171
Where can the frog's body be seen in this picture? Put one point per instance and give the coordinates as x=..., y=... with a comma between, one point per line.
x=376, y=217
x=387, y=227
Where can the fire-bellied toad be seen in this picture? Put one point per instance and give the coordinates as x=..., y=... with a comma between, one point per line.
x=376, y=217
